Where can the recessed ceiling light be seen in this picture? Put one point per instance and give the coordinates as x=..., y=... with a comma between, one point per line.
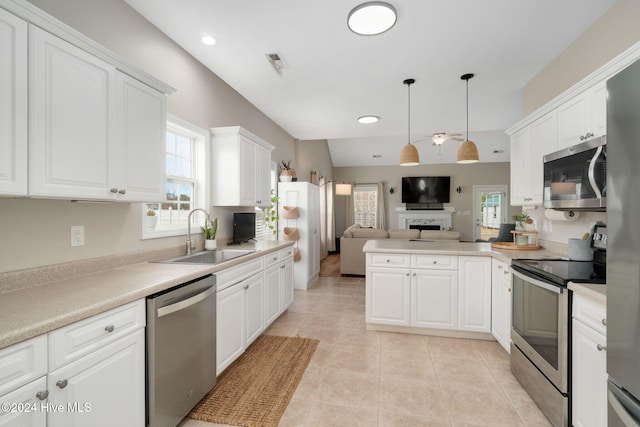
x=368, y=119
x=208, y=40
x=370, y=18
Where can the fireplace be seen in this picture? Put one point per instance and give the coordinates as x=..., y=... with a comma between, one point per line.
x=423, y=227
x=425, y=220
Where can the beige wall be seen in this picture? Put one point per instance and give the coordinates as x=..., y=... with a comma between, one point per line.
x=36, y=232
x=313, y=155
x=613, y=33
x=464, y=176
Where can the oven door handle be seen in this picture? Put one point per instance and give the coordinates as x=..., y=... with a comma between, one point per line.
x=535, y=282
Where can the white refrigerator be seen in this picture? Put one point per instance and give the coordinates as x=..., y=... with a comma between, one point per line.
x=306, y=197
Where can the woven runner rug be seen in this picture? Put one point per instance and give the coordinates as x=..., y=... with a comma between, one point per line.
x=256, y=388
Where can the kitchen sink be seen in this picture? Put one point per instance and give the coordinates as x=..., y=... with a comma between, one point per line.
x=208, y=257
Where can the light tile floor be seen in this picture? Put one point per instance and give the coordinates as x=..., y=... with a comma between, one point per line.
x=367, y=378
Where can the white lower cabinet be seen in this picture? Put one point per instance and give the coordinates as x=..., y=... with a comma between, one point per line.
x=88, y=373
x=254, y=306
x=429, y=291
x=27, y=411
x=388, y=296
x=105, y=388
x=589, y=365
x=501, y=303
x=474, y=294
x=230, y=320
x=434, y=299
x=246, y=308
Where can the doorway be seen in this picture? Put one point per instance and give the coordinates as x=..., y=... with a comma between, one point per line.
x=489, y=210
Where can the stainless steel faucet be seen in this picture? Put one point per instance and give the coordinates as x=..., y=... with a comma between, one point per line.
x=189, y=245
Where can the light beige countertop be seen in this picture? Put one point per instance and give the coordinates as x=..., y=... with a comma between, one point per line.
x=591, y=292
x=452, y=247
x=35, y=310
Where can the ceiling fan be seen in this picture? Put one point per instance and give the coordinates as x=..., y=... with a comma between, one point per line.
x=439, y=138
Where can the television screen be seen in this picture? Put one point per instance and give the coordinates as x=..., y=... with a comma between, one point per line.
x=425, y=189
x=244, y=226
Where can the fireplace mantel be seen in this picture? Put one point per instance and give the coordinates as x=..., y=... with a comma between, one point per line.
x=406, y=218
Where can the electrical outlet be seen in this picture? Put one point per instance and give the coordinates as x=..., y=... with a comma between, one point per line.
x=77, y=235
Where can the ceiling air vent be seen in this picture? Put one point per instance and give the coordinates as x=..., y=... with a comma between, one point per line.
x=276, y=60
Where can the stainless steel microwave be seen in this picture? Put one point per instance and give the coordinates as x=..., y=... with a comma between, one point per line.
x=576, y=177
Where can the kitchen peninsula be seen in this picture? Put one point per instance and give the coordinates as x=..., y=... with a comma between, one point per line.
x=445, y=288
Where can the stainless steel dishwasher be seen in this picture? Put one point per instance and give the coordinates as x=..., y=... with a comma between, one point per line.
x=181, y=349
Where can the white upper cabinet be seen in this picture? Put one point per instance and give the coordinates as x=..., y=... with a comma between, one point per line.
x=95, y=132
x=142, y=149
x=583, y=117
x=528, y=147
x=71, y=120
x=241, y=168
x=13, y=105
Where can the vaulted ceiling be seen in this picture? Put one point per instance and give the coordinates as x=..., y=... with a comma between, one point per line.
x=334, y=76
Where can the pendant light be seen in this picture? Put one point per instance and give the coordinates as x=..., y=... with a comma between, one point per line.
x=467, y=152
x=409, y=154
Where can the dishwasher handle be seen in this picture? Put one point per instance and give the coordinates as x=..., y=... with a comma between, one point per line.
x=181, y=305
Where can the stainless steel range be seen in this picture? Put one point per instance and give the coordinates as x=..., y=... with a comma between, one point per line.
x=541, y=325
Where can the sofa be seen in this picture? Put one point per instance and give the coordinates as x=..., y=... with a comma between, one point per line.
x=352, y=259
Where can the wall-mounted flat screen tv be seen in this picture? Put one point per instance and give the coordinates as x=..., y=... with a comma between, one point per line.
x=244, y=226
x=426, y=189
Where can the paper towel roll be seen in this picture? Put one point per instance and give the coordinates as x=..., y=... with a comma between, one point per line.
x=555, y=215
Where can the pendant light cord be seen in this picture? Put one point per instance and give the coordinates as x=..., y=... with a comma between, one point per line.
x=409, y=82
x=467, y=109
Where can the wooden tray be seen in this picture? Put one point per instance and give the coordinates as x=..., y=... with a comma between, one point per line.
x=513, y=246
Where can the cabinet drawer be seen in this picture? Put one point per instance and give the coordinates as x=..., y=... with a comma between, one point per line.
x=78, y=339
x=22, y=362
x=286, y=253
x=435, y=262
x=388, y=260
x=229, y=276
x=271, y=259
x=591, y=314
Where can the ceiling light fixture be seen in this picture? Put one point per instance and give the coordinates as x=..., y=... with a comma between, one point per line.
x=208, y=40
x=409, y=154
x=371, y=18
x=439, y=138
x=368, y=119
x=467, y=152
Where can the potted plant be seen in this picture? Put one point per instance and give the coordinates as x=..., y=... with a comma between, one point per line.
x=287, y=173
x=151, y=220
x=210, y=230
x=271, y=214
x=521, y=219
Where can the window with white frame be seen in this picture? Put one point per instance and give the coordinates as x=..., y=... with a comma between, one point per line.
x=185, y=189
x=364, y=205
x=263, y=232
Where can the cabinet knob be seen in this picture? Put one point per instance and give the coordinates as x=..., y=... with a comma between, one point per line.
x=122, y=191
x=42, y=395
x=62, y=383
x=414, y=274
x=509, y=290
x=388, y=260
x=109, y=328
x=435, y=262
x=604, y=322
x=246, y=287
x=499, y=267
x=282, y=266
x=114, y=190
x=407, y=274
x=601, y=347
x=275, y=258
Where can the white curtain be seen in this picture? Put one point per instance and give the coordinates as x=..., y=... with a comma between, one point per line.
x=327, y=218
x=349, y=214
x=331, y=220
x=381, y=219
x=323, y=217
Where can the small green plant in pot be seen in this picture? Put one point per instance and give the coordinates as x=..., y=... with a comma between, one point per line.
x=521, y=219
x=151, y=219
x=210, y=230
x=271, y=214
